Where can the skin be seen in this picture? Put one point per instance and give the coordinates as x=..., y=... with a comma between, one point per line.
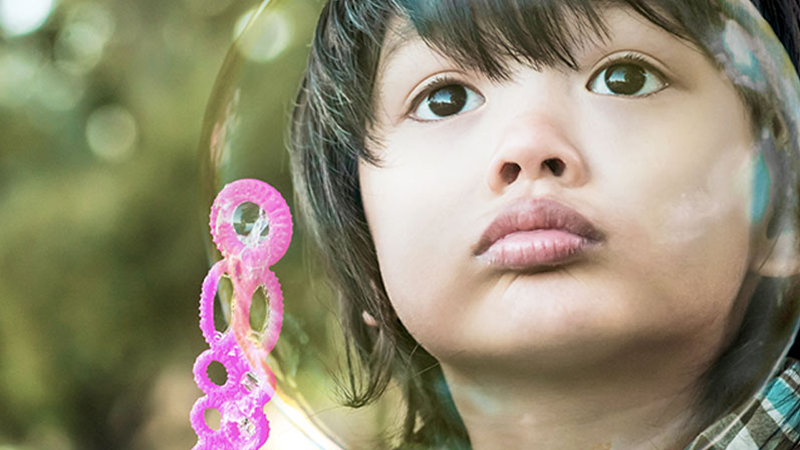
x=604, y=351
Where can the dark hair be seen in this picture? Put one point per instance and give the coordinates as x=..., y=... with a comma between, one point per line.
x=331, y=132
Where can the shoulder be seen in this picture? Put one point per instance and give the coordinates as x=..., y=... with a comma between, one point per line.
x=771, y=420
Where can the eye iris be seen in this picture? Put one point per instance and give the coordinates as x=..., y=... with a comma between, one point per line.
x=625, y=79
x=447, y=100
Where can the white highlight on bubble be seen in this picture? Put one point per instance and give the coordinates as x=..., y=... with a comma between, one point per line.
x=265, y=40
x=697, y=210
x=18, y=17
x=111, y=132
x=292, y=429
x=241, y=23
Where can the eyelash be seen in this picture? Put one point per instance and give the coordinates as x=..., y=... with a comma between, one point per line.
x=630, y=58
x=443, y=80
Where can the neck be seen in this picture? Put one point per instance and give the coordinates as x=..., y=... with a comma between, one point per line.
x=644, y=405
x=640, y=396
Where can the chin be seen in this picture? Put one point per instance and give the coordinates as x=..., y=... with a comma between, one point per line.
x=550, y=348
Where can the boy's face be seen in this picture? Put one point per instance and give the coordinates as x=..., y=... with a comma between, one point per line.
x=647, y=141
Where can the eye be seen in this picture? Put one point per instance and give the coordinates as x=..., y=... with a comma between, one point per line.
x=445, y=98
x=630, y=77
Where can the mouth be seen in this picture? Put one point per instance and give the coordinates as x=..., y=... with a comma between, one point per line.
x=535, y=234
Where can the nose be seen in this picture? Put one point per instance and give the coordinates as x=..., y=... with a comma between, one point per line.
x=534, y=147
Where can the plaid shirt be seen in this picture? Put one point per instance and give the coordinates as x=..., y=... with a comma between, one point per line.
x=771, y=421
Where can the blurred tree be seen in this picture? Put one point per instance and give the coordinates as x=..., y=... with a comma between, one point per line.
x=101, y=104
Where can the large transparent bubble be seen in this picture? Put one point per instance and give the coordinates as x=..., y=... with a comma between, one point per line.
x=245, y=135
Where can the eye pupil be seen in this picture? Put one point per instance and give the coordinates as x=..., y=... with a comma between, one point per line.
x=625, y=79
x=448, y=100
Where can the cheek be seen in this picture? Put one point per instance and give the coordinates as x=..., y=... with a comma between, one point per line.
x=679, y=200
x=425, y=211
x=415, y=214
x=420, y=202
x=674, y=176
x=404, y=206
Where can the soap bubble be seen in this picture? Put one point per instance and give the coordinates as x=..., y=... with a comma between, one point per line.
x=245, y=135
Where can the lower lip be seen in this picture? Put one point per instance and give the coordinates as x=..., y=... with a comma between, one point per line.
x=531, y=249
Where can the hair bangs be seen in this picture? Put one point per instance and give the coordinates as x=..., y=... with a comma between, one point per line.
x=487, y=35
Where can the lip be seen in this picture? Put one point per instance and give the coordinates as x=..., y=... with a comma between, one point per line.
x=536, y=233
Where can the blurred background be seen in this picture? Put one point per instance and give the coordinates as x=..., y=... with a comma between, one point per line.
x=101, y=228
x=103, y=218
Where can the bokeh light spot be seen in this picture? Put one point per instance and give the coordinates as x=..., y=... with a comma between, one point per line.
x=111, y=132
x=17, y=69
x=58, y=90
x=18, y=17
x=80, y=44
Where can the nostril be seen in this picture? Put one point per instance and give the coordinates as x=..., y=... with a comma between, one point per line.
x=510, y=172
x=555, y=165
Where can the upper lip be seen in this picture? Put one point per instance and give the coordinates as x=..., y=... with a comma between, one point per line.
x=536, y=214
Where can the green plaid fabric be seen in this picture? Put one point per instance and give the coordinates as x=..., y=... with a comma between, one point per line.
x=771, y=421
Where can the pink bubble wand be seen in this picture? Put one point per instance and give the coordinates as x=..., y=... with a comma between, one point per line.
x=251, y=226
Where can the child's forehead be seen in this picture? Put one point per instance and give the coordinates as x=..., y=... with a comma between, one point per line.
x=400, y=36
x=621, y=27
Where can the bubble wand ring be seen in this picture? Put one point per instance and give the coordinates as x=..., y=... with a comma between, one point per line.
x=258, y=243
x=210, y=284
x=251, y=226
x=235, y=367
x=255, y=344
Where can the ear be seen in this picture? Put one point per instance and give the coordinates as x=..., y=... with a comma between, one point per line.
x=369, y=320
x=778, y=257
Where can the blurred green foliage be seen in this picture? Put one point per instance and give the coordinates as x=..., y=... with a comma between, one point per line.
x=101, y=244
